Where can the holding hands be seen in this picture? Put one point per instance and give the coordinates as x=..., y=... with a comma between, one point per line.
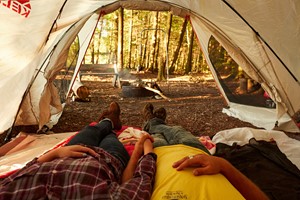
x=143, y=145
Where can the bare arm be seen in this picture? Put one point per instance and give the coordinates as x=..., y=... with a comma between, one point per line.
x=75, y=151
x=142, y=147
x=244, y=185
x=207, y=165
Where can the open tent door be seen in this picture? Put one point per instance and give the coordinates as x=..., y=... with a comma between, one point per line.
x=262, y=37
x=256, y=59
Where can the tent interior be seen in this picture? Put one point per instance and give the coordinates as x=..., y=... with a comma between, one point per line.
x=268, y=54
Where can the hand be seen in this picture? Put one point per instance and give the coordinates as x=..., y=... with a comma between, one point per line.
x=143, y=145
x=75, y=151
x=208, y=165
x=203, y=164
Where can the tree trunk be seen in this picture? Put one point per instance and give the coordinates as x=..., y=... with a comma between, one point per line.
x=199, y=63
x=153, y=44
x=130, y=39
x=182, y=59
x=170, y=17
x=157, y=52
x=188, y=67
x=114, y=42
x=120, y=38
x=143, y=61
x=163, y=67
x=146, y=53
x=176, y=53
x=160, y=75
x=99, y=40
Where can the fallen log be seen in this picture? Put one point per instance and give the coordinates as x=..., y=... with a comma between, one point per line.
x=156, y=91
x=80, y=91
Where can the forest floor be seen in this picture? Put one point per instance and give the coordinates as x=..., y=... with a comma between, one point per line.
x=194, y=102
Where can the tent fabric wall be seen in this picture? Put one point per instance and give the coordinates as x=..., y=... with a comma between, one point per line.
x=20, y=52
x=253, y=115
x=251, y=53
x=261, y=36
x=25, y=51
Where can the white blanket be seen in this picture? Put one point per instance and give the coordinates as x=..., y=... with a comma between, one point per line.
x=35, y=145
x=32, y=146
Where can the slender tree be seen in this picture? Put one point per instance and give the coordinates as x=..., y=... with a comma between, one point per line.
x=176, y=53
x=188, y=67
x=169, y=28
x=163, y=56
x=153, y=42
x=92, y=50
x=114, y=51
x=160, y=74
x=146, y=44
x=130, y=38
x=98, y=32
x=120, y=37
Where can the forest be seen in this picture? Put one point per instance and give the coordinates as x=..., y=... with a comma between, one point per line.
x=158, y=42
x=163, y=44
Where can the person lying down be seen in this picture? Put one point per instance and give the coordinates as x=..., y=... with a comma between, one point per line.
x=167, y=163
x=185, y=168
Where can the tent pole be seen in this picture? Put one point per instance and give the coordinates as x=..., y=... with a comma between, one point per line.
x=59, y=14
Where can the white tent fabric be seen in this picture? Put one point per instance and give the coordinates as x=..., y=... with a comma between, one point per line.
x=250, y=113
x=84, y=36
x=262, y=36
x=28, y=148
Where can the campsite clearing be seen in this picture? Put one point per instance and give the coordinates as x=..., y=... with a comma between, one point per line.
x=196, y=104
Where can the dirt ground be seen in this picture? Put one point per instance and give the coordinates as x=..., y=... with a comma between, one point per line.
x=194, y=102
